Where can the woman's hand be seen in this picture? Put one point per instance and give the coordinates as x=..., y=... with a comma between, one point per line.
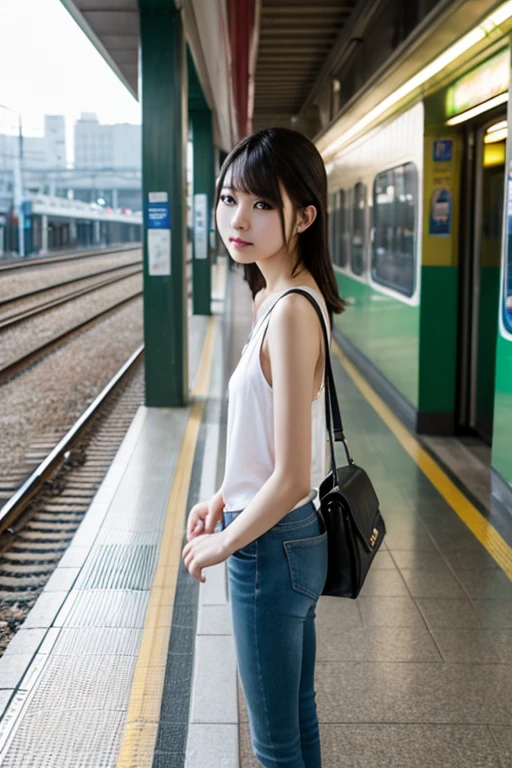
x=204, y=516
x=203, y=551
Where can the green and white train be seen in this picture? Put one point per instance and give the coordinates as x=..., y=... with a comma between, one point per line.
x=420, y=223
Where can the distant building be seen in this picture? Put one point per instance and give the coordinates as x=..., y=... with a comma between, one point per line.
x=38, y=152
x=34, y=152
x=107, y=169
x=55, y=138
x=106, y=146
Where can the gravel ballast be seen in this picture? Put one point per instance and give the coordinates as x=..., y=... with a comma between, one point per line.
x=31, y=333
x=53, y=393
x=19, y=281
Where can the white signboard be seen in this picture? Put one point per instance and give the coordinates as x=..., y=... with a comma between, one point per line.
x=200, y=226
x=159, y=251
x=159, y=234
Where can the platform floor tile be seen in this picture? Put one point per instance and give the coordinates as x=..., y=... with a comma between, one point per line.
x=91, y=641
x=372, y=745
x=104, y=608
x=73, y=737
x=379, y=692
x=114, y=566
x=409, y=746
x=220, y=740
x=5, y=697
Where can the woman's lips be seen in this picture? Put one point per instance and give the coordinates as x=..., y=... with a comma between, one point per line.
x=239, y=243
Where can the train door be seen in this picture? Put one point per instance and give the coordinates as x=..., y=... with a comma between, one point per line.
x=482, y=212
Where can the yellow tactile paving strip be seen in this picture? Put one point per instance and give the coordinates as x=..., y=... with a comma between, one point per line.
x=468, y=513
x=143, y=715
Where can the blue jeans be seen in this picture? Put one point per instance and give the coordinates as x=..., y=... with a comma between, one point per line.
x=275, y=582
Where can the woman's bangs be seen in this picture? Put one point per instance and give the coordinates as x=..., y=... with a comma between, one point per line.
x=252, y=172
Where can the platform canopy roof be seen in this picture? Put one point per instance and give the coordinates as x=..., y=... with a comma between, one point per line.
x=297, y=39
x=257, y=63
x=273, y=53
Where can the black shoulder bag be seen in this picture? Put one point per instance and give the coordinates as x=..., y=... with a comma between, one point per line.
x=349, y=505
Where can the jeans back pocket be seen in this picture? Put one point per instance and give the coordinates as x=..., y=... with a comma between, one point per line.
x=307, y=561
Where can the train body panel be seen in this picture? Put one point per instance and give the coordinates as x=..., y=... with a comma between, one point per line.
x=385, y=329
x=502, y=437
x=382, y=322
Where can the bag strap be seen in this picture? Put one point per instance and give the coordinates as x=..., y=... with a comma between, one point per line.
x=332, y=410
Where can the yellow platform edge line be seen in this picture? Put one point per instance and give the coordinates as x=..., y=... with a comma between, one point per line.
x=143, y=715
x=486, y=534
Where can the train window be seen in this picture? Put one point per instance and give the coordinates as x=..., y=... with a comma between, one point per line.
x=395, y=195
x=341, y=229
x=358, y=233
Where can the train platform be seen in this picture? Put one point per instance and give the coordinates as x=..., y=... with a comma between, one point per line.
x=126, y=661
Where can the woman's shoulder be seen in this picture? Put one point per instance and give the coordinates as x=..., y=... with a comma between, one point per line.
x=295, y=316
x=298, y=304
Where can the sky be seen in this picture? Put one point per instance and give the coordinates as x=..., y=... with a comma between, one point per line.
x=48, y=66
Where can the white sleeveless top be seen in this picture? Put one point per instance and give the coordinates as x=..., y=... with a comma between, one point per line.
x=250, y=454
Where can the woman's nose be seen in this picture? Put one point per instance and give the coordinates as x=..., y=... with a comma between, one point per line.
x=240, y=219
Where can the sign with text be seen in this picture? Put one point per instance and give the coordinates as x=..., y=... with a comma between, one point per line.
x=200, y=226
x=159, y=234
x=481, y=84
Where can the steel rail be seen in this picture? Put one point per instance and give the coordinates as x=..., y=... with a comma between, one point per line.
x=16, y=505
x=18, y=317
x=69, y=256
x=29, y=294
x=17, y=365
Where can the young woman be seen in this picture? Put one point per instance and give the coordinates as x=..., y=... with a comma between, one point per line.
x=271, y=208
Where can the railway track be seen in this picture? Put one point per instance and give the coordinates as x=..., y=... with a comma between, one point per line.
x=18, y=365
x=69, y=256
x=12, y=319
x=39, y=520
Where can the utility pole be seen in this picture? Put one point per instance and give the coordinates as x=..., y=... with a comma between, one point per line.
x=21, y=210
x=18, y=182
x=18, y=189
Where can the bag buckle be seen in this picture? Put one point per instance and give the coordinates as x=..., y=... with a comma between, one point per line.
x=374, y=537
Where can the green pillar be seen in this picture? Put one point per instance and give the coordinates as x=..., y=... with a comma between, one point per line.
x=164, y=136
x=202, y=139
x=203, y=187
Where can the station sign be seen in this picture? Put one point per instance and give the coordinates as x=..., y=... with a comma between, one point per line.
x=481, y=84
x=200, y=226
x=159, y=234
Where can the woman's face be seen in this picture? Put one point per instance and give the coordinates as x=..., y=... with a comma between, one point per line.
x=250, y=226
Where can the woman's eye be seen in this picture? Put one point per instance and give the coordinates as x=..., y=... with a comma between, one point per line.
x=227, y=199
x=266, y=206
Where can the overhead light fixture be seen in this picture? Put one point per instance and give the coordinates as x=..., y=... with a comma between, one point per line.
x=497, y=126
x=491, y=138
x=503, y=13
x=478, y=110
x=451, y=54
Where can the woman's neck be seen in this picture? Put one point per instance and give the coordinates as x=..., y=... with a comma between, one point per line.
x=285, y=281
x=277, y=272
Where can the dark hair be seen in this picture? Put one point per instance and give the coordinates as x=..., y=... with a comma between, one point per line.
x=258, y=163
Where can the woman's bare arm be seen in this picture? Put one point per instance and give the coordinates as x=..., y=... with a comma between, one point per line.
x=294, y=348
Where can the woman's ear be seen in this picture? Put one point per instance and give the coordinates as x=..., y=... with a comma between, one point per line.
x=305, y=218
